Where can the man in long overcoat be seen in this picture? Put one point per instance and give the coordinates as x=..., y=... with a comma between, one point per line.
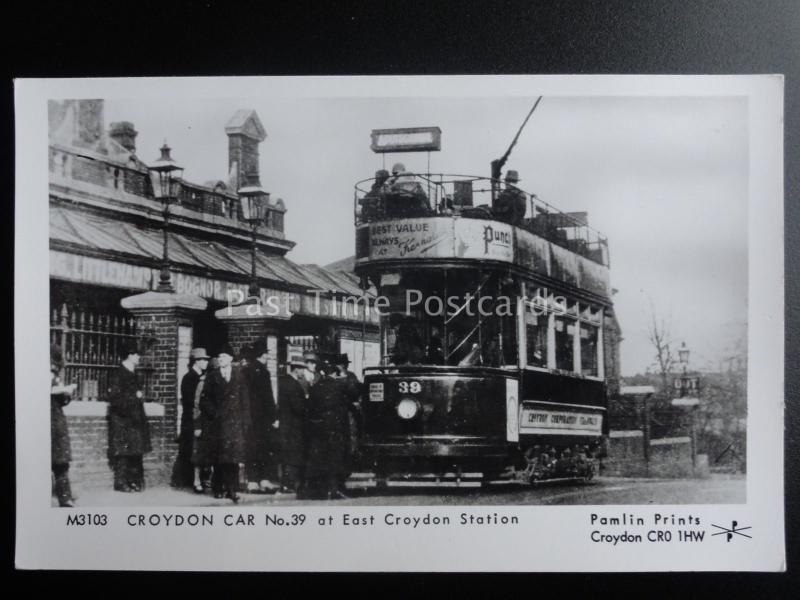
x=60, y=455
x=326, y=461
x=183, y=470
x=225, y=406
x=352, y=389
x=261, y=467
x=128, y=430
x=292, y=419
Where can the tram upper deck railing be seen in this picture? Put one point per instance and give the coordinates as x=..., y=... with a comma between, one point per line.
x=470, y=196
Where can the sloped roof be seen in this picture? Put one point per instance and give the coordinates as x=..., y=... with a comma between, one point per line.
x=345, y=264
x=99, y=233
x=245, y=121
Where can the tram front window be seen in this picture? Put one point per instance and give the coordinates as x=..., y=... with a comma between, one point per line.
x=438, y=319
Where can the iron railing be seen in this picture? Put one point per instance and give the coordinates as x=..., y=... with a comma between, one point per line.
x=442, y=194
x=92, y=344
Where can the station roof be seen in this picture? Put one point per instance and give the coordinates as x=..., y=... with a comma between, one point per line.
x=97, y=233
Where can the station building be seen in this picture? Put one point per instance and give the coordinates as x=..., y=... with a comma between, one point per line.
x=106, y=243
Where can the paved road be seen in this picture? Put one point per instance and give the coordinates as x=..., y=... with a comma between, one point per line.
x=716, y=490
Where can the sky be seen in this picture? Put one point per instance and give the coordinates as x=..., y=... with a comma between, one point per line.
x=665, y=179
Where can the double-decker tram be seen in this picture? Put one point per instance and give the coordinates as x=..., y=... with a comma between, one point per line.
x=493, y=307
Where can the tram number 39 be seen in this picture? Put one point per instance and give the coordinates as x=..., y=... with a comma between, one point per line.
x=409, y=387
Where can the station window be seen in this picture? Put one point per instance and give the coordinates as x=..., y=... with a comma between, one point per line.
x=588, y=350
x=565, y=343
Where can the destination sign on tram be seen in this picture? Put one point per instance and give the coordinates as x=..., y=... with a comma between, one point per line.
x=534, y=420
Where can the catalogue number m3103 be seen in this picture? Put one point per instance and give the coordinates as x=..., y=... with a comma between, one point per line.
x=87, y=520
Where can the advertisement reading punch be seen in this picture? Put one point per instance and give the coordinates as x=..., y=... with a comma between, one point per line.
x=473, y=326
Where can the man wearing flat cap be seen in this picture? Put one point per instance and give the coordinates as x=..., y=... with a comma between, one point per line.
x=225, y=406
x=262, y=472
x=183, y=473
x=292, y=419
x=128, y=430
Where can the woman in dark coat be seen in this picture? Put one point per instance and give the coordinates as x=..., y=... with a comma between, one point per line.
x=225, y=406
x=326, y=461
x=128, y=430
x=60, y=455
x=292, y=418
x=183, y=472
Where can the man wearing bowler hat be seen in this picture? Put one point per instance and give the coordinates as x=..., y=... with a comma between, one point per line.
x=312, y=372
x=261, y=467
x=292, y=419
x=183, y=471
x=128, y=430
x=352, y=388
x=225, y=406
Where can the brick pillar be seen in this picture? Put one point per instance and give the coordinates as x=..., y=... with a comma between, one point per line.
x=245, y=326
x=162, y=315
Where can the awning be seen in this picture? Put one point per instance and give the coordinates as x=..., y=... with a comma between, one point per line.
x=96, y=233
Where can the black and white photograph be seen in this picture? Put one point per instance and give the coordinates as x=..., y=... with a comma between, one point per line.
x=407, y=305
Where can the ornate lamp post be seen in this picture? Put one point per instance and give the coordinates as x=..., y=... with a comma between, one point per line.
x=169, y=174
x=683, y=357
x=254, y=206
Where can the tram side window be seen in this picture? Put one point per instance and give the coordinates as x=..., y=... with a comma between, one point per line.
x=588, y=350
x=536, y=334
x=565, y=330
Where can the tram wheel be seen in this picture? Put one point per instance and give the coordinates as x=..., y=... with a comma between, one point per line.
x=381, y=479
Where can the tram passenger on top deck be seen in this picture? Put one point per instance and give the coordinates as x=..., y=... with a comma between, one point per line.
x=371, y=202
x=404, y=195
x=509, y=206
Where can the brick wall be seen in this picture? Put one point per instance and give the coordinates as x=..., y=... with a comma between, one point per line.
x=667, y=458
x=245, y=332
x=89, y=439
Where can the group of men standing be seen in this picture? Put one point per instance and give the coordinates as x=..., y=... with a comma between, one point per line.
x=230, y=417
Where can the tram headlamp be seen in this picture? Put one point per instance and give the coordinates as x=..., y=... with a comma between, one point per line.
x=407, y=408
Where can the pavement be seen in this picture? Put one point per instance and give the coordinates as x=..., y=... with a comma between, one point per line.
x=718, y=489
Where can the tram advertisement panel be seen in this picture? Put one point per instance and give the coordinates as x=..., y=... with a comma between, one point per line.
x=477, y=239
x=411, y=238
x=483, y=240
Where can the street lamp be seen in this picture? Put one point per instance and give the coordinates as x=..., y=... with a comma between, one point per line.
x=683, y=356
x=254, y=206
x=169, y=174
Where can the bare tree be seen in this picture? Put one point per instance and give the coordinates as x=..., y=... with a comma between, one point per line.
x=659, y=337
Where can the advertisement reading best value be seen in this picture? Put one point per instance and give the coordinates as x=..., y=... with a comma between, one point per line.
x=440, y=238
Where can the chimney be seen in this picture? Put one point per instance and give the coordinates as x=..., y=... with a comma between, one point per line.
x=245, y=132
x=124, y=134
x=90, y=123
x=77, y=123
